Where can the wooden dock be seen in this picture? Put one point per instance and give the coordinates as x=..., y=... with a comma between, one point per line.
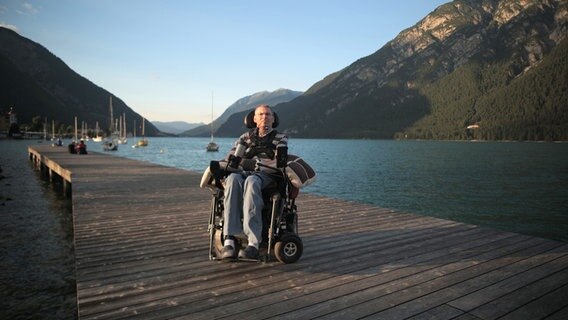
x=141, y=246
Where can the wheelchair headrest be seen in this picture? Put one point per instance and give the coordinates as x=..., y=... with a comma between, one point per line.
x=249, y=120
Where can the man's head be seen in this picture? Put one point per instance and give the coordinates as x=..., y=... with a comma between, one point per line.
x=263, y=117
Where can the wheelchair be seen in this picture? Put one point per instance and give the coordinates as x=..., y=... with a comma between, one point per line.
x=279, y=214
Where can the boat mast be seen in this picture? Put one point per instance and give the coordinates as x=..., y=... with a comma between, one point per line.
x=211, y=116
x=124, y=124
x=111, y=127
x=45, y=129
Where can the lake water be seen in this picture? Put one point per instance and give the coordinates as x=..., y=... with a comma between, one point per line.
x=519, y=187
x=36, y=242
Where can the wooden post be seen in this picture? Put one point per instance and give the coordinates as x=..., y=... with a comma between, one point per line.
x=66, y=188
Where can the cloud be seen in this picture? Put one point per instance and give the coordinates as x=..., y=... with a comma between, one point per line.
x=9, y=26
x=27, y=9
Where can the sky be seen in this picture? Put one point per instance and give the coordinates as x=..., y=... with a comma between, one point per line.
x=176, y=60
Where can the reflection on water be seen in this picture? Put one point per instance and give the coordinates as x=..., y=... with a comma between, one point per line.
x=36, y=248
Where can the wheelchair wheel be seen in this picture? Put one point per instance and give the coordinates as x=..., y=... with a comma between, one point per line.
x=289, y=248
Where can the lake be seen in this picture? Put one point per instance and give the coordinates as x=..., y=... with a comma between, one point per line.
x=37, y=256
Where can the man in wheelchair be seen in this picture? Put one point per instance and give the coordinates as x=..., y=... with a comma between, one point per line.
x=254, y=194
x=243, y=190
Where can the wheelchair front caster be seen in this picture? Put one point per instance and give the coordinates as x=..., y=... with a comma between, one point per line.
x=289, y=248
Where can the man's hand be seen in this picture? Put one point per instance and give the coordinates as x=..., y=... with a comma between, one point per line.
x=234, y=161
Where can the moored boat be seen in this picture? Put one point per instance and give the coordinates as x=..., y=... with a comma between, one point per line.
x=212, y=146
x=142, y=142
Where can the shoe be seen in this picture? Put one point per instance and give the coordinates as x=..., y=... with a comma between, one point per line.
x=228, y=253
x=249, y=253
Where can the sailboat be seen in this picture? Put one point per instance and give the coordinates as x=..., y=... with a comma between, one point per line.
x=122, y=138
x=52, y=130
x=142, y=142
x=134, y=135
x=97, y=137
x=75, y=136
x=212, y=146
x=111, y=143
x=45, y=129
x=84, y=131
x=56, y=142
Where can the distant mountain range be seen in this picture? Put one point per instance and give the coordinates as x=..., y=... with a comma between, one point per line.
x=176, y=127
x=244, y=104
x=498, y=67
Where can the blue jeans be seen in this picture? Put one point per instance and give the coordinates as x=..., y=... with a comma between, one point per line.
x=243, y=200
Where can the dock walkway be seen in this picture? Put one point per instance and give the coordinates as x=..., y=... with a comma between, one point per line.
x=141, y=246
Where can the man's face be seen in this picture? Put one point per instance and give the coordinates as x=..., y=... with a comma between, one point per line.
x=263, y=117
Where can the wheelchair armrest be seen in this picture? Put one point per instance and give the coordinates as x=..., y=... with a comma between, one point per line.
x=217, y=172
x=293, y=192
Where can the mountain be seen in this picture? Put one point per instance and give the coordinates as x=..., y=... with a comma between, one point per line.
x=37, y=83
x=499, y=65
x=176, y=127
x=245, y=104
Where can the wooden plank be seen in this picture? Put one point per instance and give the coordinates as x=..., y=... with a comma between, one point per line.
x=551, y=303
x=224, y=291
x=513, y=267
x=375, y=296
x=560, y=314
x=399, y=264
x=141, y=247
x=442, y=312
x=256, y=274
x=538, y=297
x=513, y=283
